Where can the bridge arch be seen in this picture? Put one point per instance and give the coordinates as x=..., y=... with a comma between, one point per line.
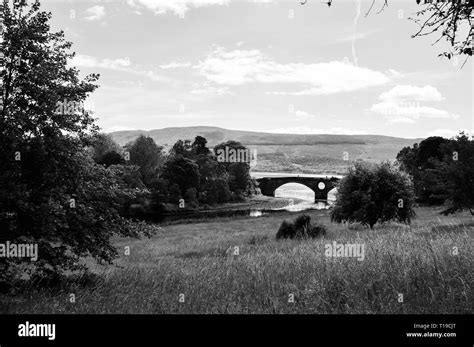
x=319, y=185
x=295, y=190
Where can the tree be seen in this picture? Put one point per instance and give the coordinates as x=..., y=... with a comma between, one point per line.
x=234, y=158
x=406, y=159
x=215, y=191
x=199, y=146
x=51, y=192
x=111, y=158
x=183, y=172
x=208, y=168
x=456, y=170
x=239, y=177
x=182, y=148
x=371, y=194
x=449, y=18
x=101, y=145
x=147, y=155
x=419, y=162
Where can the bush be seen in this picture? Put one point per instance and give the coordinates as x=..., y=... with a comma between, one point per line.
x=191, y=197
x=301, y=228
x=371, y=194
x=111, y=158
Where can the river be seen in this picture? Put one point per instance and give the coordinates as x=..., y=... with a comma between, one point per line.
x=300, y=197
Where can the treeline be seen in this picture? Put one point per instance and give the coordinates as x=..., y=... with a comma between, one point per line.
x=442, y=171
x=188, y=176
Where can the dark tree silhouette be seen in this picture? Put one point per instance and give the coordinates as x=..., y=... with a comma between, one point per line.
x=51, y=191
x=371, y=194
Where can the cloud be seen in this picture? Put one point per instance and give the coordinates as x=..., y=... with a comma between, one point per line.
x=238, y=67
x=411, y=110
x=302, y=115
x=177, y=7
x=308, y=130
x=447, y=133
x=120, y=64
x=404, y=104
x=175, y=65
x=411, y=93
x=208, y=90
x=95, y=13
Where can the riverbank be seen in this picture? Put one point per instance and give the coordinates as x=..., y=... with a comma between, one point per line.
x=253, y=207
x=257, y=202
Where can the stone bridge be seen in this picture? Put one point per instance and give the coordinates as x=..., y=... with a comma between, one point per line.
x=319, y=185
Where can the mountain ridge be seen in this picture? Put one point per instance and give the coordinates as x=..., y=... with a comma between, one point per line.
x=215, y=135
x=308, y=153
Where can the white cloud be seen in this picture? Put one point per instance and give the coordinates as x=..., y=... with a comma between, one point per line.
x=308, y=130
x=120, y=64
x=447, y=133
x=411, y=93
x=412, y=110
x=401, y=120
x=404, y=104
x=89, y=61
x=95, y=13
x=177, y=7
x=207, y=90
x=302, y=115
x=175, y=65
x=239, y=67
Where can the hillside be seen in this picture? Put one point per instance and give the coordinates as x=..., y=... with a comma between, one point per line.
x=287, y=152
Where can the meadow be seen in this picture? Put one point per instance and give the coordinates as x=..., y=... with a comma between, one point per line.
x=235, y=265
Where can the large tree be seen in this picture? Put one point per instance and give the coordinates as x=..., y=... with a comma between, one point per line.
x=182, y=171
x=51, y=192
x=456, y=172
x=148, y=156
x=103, y=144
x=419, y=162
x=371, y=193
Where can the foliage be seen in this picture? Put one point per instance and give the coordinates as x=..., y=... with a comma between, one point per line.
x=215, y=191
x=51, y=191
x=300, y=228
x=199, y=146
x=419, y=162
x=102, y=144
x=374, y=193
x=456, y=172
x=111, y=158
x=147, y=155
x=183, y=172
x=190, y=196
x=239, y=177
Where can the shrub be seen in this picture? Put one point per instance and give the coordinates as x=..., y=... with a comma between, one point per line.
x=371, y=194
x=111, y=158
x=191, y=197
x=301, y=228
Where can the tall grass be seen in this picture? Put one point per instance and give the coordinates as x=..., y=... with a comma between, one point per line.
x=200, y=261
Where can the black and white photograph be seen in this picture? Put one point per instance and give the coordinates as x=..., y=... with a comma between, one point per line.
x=222, y=158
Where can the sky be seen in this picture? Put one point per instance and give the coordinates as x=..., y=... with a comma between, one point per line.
x=263, y=65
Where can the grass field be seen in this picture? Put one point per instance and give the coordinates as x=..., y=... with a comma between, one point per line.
x=194, y=260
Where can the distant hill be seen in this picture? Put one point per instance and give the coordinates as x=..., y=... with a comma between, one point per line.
x=286, y=152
